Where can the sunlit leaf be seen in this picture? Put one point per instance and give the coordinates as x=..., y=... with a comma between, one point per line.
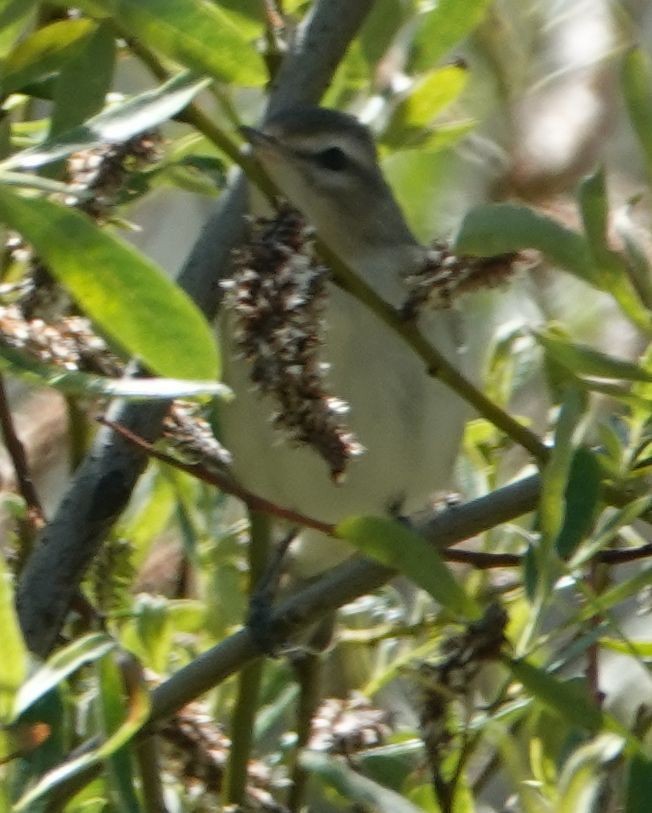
x=581, y=781
x=396, y=546
x=43, y=52
x=15, y=17
x=124, y=292
x=636, y=649
x=58, y=666
x=89, y=385
x=443, y=27
x=430, y=95
x=199, y=35
x=111, y=711
x=15, y=659
x=116, y=124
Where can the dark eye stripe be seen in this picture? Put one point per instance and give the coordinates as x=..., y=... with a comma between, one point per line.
x=332, y=158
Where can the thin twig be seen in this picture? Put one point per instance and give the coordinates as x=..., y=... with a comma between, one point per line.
x=478, y=559
x=18, y=457
x=436, y=364
x=222, y=481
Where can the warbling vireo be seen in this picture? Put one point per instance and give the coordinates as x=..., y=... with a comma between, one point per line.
x=325, y=162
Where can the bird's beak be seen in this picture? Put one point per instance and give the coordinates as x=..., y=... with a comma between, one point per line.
x=258, y=139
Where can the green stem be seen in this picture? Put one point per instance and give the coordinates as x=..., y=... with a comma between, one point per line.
x=249, y=680
x=436, y=364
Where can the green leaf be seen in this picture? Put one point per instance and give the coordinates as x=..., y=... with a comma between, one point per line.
x=498, y=228
x=582, y=779
x=111, y=713
x=609, y=266
x=88, y=385
x=43, y=52
x=583, y=360
x=429, y=96
x=567, y=699
x=639, y=784
x=83, y=81
x=352, y=786
x=15, y=16
x=380, y=27
x=15, y=659
x=396, y=546
x=124, y=292
x=138, y=710
x=58, y=666
x=444, y=27
x=115, y=125
x=556, y=472
x=199, y=35
x=582, y=497
x=616, y=595
x=607, y=533
x=637, y=91
x=637, y=649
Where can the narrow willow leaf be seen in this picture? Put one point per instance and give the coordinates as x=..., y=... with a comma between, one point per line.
x=555, y=475
x=567, y=700
x=353, y=786
x=443, y=27
x=585, y=361
x=637, y=91
x=43, y=52
x=607, y=533
x=88, y=385
x=498, y=228
x=137, y=712
x=610, y=266
x=638, y=649
x=15, y=18
x=581, y=499
x=617, y=595
x=196, y=34
x=58, y=666
x=116, y=124
x=581, y=781
x=15, y=659
x=429, y=97
x=396, y=546
x=111, y=712
x=125, y=293
x=84, y=81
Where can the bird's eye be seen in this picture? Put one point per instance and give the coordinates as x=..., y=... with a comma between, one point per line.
x=332, y=158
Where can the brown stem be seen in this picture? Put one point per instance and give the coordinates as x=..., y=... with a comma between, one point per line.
x=221, y=481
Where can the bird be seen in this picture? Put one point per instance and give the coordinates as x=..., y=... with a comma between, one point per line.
x=326, y=164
